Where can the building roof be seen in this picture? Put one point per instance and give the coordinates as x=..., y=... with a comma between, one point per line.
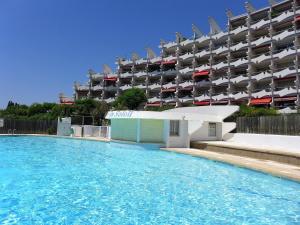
x=204, y=113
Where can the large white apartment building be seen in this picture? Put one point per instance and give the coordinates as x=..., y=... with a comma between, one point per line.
x=255, y=61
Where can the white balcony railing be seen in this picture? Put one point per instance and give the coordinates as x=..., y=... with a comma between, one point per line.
x=169, y=99
x=285, y=53
x=82, y=87
x=186, y=84
x=170, y=44
x=170, y=58
x=186, y=70
x=261, y=58
x=141, y=61
x=125, y=62
x=221, y=50
x=203, y=67
x=155, y=73
x=221, y=80
x=140, y=74
x=200, y=40
x=125, y=87
x=140, y=86
x=186, y=99
x=154, y=86
x=261, y=41
x=187, y=42
x=239, y=62
x=285, y=72
x=155, y=60
x=168, y=85
x=125, y=75
x=219, y=35
x=262, y=76
x=109, y=100
x=220, y=65
x=239, y=95
x=260, y=24
x=288, y=91
x=239, y=30
x=186, y=56
x=202, y=53
x=202, y=98
x=284, y=34
x=220, y=97
x=97, y=88
x=239, y=79
x=283, y=16
x=262, y=93
x=239, y=46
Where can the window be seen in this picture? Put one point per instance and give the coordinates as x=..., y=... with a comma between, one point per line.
x=174, y=128
x=212, y=129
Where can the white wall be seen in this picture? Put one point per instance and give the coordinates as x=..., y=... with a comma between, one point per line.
x=284, y=142
x=181, y=141
x=64, y=127
x=198, y=131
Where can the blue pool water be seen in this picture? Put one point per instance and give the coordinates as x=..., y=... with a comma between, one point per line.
x=64, y=181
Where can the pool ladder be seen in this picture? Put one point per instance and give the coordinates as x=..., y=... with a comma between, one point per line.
x=11, y=132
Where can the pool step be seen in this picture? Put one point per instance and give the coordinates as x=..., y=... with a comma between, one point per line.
x=286, y=157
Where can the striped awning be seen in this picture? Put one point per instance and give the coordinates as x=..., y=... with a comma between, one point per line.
x=260, y=101
x=202, y=103
x=201, y=73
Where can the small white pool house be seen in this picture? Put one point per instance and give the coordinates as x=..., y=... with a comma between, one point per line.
x=172, y=128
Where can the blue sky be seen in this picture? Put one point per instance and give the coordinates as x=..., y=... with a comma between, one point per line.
x=46, y=45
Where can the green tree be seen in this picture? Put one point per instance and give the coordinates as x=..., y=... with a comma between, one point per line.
x=130, y=99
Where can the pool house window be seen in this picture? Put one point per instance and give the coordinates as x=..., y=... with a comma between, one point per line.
x=174, y=128
x=212, y=129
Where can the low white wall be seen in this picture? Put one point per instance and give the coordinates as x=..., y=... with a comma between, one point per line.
x=285, y=142
x=64, y=126
x=198, y=131
x=181, y=141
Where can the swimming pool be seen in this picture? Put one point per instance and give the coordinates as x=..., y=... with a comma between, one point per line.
x=66, y=181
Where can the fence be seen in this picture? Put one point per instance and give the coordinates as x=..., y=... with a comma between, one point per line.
x=281, y=124
x=29, y=127
x=91, y=131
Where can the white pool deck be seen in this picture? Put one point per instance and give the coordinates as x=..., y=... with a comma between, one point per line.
x=282, y=170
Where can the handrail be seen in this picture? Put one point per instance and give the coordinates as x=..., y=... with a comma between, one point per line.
x=9, y=131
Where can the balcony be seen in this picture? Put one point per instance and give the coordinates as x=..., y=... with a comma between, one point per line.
x=155, y=73
x=170, y=72
x=285, y=34
x=240, y=79
x=140, y=74
x=170, y=45
x=97, y=76
x=203, y=67
x=285, y=53
x=97, y=88
x=170, y=58
x=239, y=46
x=204, y=97
x=221, y=80
x=187, y=42
x=110, y=88
x=220, y=97
x=202, y=39
x=261, y=58
x=156, y=60
x=239, y=29
x=82, y=88
x=169, y=85
x=186, y=99
x=125, y=87
x=220, y=65
x=186, y=56
x=186, y=70
x=141, y=86
x=287, y=72
x=154, y=86
x=202, y=53
x=186, y=84
x=240, y=62
x=126, y=75
x=203, y=83
x=286, y=91
x=221, y=50
x=154, y=100
x=261, y=93
x=262, y=76
x=126, y=62
x=219, y=35
x=169, y=99
x=260, y=24
x=261, y=41
x=283, y=16
x=141, y=61
x=239, y=95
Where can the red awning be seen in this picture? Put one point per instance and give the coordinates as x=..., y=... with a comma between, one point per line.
x=297, y=18
x=169, y=90
x=260, y=101
x=111, y=78
x=285, y=99
x=201, y=73
x=202, y=103
x=168, y=62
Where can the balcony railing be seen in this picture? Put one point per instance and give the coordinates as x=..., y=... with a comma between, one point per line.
x=186, y=70
x=239, y=79
x=186, y=56
x=154, y=100
x=261, y=58
x=239, y=46
x=290, y=71
x=286, y=91
x=262, y=76
x=285, y=34
x=220, y=97
x=260, y=24
x=186, y=84
x=169, y=85
x=239, y=95
x=239, y=30
x=202, y=53
x=125, y=87
x=82, y=87
x=140, y=74
x=125, y=75
x=261, y=41
x=283, y=16
x=221, y=80
x=97, y=88
x=261, y=93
